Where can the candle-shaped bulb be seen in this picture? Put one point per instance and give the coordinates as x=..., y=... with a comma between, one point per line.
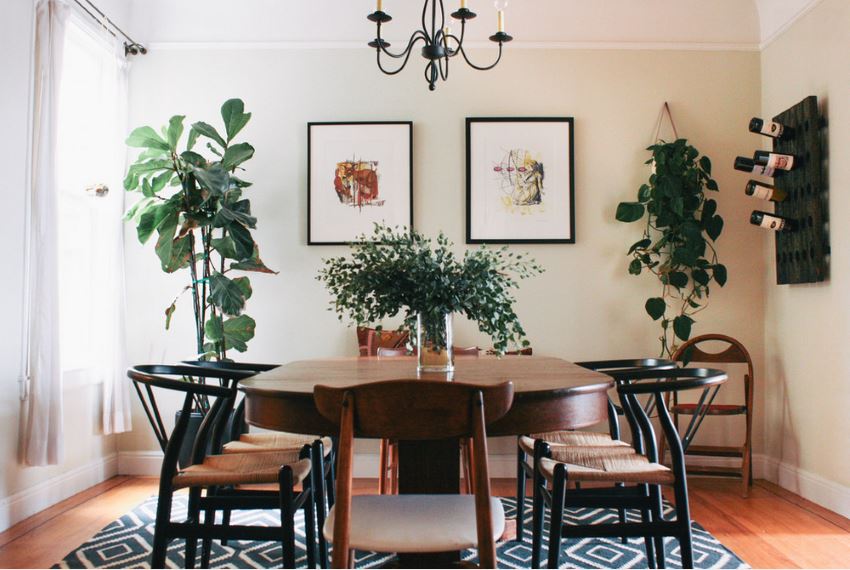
x=447, y=31
x=380, y=5
x=462, y=4
x=500, y=6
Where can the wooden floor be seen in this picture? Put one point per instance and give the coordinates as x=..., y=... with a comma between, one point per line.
x=771, y=529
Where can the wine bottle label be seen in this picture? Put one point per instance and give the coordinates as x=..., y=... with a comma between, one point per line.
x=761, y=192
x=772, y=129
x=772, y=223
x=780, y=162
x=764, y=169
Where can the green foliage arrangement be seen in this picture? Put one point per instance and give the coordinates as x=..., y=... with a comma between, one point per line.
x=195, y=206
x=677, y=246
x=401, y=271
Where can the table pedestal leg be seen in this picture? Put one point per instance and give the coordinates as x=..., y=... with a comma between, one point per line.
x=429, y=467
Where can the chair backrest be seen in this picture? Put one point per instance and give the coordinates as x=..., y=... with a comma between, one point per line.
x=527, y=351
x=387, y=352
x=466, y=351
x=414, y=410
x=657, y=383
x=148, y=379
x=731, y=351
x=369, y=340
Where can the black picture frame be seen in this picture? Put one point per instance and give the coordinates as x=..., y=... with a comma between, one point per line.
x=408, y=219
x=569, y=159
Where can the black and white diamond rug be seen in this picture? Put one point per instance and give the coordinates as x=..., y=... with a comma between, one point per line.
x=126, y=543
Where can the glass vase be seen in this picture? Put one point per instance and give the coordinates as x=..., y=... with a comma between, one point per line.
x=434, y=343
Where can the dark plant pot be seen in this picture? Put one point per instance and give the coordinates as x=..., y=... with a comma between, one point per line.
x=195, y=419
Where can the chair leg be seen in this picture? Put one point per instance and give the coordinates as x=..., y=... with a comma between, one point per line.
x=394, y=468
x=193, y=515
x=537, y=517
x=746, y=470
x=225, y=522
x=287, y=516
x=520, y=493
x=658, y=516
x=310, y=523
x=160, y=535
x=556, y=519
x=206, y=542
x=467, y=450
x=383, y=460
x=683, y=520
x=319, y=487
x=649, y=544
x=621, y=514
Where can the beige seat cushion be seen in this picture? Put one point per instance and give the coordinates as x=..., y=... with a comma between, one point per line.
x=570, y=439
x=275, y=441
x=415, y=523
x=590, y=464
x=241, y=469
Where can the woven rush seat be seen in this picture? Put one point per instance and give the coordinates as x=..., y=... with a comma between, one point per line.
x=593, y=465
x=557, y=439
x=275, y=441
x=241, y=469
x=712, y=410
x=416, y=523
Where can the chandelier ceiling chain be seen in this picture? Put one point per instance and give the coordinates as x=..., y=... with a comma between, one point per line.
x=440, y=45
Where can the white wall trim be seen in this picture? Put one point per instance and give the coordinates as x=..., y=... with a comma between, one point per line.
x=811, y=5
x=518, y=45
x=826, y=493
x=17, y=507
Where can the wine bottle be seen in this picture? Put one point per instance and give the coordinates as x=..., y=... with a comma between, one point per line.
x=774, y=160
x=773, y=222
x=769, y=128
x=764, y=191
x=751, y=166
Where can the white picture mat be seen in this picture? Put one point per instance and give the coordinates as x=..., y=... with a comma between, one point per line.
x=549, y=143
x=389, y=145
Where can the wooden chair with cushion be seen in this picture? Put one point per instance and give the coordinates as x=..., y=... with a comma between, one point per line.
x=526, y=444
x=414, y=410
x=637, y=471
x=218, y=481
x=369, y=340
x=731, y=351
x=240, y=440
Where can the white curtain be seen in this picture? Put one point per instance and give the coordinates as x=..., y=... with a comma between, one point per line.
x=43, y=429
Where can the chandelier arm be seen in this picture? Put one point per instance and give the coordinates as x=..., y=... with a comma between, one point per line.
x=444, y=75
x=406, y=57
x=424, y=16
x=405, y=53
x=478, y=67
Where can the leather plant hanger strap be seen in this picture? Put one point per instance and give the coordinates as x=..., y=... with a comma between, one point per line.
x=665, y=110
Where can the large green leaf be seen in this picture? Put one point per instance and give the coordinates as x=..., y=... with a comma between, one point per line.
x=678, y=279
x=146, y=137
x=684, y=256
x=629, y=211
x=714, y=227
x=138, y=169
x=236, y=155
x=239, y=212
x=254, y=264
x=235, y=332
x=234, y=117
x=174, y=254
x=242, y=240
x=635, y=267
x=719, y=272
x=682, y=326
x=153, y=218
x=209, y=131
x=224, y=246
x=175, y=131
x=215, y=179
x=655, y=307
x=226, y=294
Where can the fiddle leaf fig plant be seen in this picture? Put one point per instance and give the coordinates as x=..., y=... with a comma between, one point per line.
x=399, y=270
x=677, y=246
x=192, y=203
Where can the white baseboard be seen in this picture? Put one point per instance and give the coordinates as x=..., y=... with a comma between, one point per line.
x=826, y=493
x=17, y=507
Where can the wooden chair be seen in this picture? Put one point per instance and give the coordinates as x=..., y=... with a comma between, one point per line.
x=526, y=443
x=527, y=351
x=239, y=440
x=414, y=410
x=224, y=477
x=369, y=340
x=731, y=352
x=637, y=470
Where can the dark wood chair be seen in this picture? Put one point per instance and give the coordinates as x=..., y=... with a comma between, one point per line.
x=727, y=351
x=414, y=410
x=571, y=439
x=226, y=478
x=240, y=440
x=369, y=340
x=637, y=470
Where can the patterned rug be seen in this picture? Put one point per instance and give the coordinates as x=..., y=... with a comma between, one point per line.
x=126, y=543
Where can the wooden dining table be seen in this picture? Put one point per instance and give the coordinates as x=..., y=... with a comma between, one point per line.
x=550, y=394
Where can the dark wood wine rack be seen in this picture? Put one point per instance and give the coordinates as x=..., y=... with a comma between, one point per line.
x=802, y=255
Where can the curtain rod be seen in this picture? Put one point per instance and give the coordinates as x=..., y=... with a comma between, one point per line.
x=131, y=47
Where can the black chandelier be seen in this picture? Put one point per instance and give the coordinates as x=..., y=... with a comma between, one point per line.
x=440, y=45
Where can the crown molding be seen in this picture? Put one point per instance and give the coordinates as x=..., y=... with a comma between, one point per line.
x=775, y=34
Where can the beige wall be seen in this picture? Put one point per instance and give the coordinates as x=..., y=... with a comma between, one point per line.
x=806, y=327
x=585, y=306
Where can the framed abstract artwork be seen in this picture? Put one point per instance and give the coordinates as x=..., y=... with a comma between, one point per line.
x=520, y=180
x=358, y=174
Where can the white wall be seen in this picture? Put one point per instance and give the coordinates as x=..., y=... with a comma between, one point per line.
x=807, y=328
x=585, y=306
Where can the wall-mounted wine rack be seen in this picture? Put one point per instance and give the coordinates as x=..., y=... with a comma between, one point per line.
x=802, y=255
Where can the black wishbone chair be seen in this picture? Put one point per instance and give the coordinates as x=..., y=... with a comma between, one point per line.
x=526, y=443
x=239, y=440
x=639, y=472
x=222, y=476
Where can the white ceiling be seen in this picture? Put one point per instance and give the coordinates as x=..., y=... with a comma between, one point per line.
x=722, y=24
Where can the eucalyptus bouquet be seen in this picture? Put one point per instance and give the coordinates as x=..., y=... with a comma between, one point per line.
x=398, y=270
x=195, y=206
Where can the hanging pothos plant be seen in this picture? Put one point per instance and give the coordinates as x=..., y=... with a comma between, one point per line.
x=677, y=247
x=195, y=205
